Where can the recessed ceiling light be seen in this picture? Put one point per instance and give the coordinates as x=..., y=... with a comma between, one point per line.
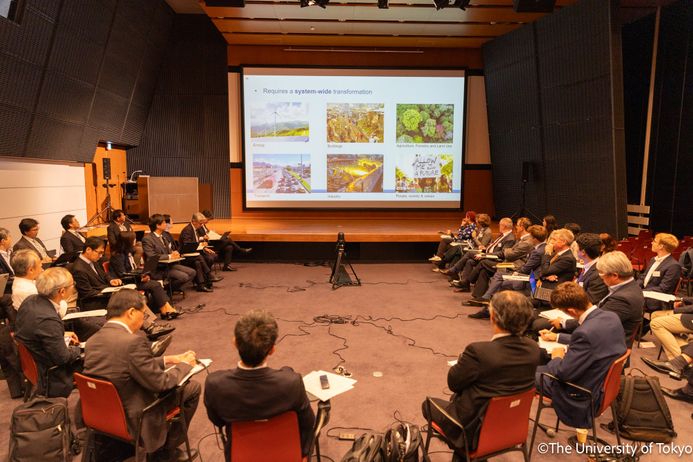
x=312, y=27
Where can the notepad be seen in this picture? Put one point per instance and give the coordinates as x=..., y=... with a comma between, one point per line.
x=213, y=235
x=338, y=385
x=109, y=290
x=555, y=314
x=201, y=365
x=550, y=346
x=84, y=314
x=658, y=296
x=516, y=277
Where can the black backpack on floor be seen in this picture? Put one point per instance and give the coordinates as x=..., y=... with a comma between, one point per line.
x=643, y=414
x=40, y=430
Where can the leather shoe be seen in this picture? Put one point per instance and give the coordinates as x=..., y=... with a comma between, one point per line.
x=159, y=347
x=476, y=302
x=169, y=315
x=204, y=289
x=481, y=314
x=154, y=331
x=664, y=367
x=216, y=278
x=678, y=394
x=229, y=268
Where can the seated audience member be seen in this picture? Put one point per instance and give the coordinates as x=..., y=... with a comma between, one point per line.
x=464, y=233
x=27, y=267
x=589, y=250
x=558, y=263
x=159, y=245
x=90, y=277
x=663, y=271
x=678, y=368
x=140, y=377
x=686, y=262
x=668, y=326
x=224, y=246
x=481, y=237
x=593, y=346
x=191, y=233
x=253, y=390
x=117, y=225
x=466, y=264
x=9, y=361
x=609, y=243
x=122, y=262
x=40, y=328
x=624, y=297
x=517, y=255
x=91, y=280
x=576, y=230
x=71, y=240
x=204, y=274
x=550, y=223
x=497, y=283
x=29, y=240
x=504, y=365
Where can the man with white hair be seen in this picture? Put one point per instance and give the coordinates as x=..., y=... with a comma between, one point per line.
x=40, y=329
x=191, y=233
x=27, y=267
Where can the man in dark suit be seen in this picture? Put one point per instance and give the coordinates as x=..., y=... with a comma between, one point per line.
x=141, y=378
x=118, y=224
x=224, y=246
x=592, y=348
x=253, y=390
x=663, y=271
x=589, y=249
x=191, y=233
x=558, y=264
x=40, y=329
x=30, y=240
x=71, y=240
x=497, y=248
x=9, y=361
x=503, y=366
x=157, y=244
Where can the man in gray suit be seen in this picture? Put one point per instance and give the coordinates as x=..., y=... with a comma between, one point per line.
x=141, y=378
x=156, y=244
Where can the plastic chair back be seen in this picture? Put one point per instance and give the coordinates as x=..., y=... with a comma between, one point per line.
x=28, y=364
x=272, y=440
x=102, y=409
x=106, y=265
x=505, y=423
x=612, y=383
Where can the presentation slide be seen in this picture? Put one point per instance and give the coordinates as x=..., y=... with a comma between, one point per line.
x=353, y=138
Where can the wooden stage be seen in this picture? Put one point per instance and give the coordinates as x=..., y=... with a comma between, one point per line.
x=324, y=230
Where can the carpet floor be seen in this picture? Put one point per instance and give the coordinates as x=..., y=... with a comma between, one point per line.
x=404, y=324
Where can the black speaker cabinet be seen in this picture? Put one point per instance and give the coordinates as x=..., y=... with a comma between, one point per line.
x=532, y=6
x=106, y=168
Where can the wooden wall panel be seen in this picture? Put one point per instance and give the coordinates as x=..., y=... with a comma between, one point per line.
x=96, y=195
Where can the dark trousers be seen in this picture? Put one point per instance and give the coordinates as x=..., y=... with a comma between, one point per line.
x=156, y=292
x=190, y=398
x=9, y=357
x=486, y=269
x=200, y=267
x=179, y=275
x=224, y=248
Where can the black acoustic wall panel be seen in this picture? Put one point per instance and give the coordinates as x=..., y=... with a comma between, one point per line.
x=78, y=66
x=557, y=105
x=187, y=129
x=671, y=149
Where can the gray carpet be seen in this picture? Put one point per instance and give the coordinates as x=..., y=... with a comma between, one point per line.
x=407, y=324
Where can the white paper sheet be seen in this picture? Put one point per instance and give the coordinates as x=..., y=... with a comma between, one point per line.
x=338, y=384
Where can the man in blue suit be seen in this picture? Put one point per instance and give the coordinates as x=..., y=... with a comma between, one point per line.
x=592, y=347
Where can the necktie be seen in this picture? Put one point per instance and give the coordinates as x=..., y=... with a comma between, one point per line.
x=93, y=268
x=582, y=275
x=491, y=247
x=553, y=259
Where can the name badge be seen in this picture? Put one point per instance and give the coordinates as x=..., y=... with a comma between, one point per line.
x=656, y=274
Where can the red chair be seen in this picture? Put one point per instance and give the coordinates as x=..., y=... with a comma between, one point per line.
x=274, y=440
x=509, y=413
x=103, y=412
x=610, y=390
x=30, y=371
x=641, y=256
